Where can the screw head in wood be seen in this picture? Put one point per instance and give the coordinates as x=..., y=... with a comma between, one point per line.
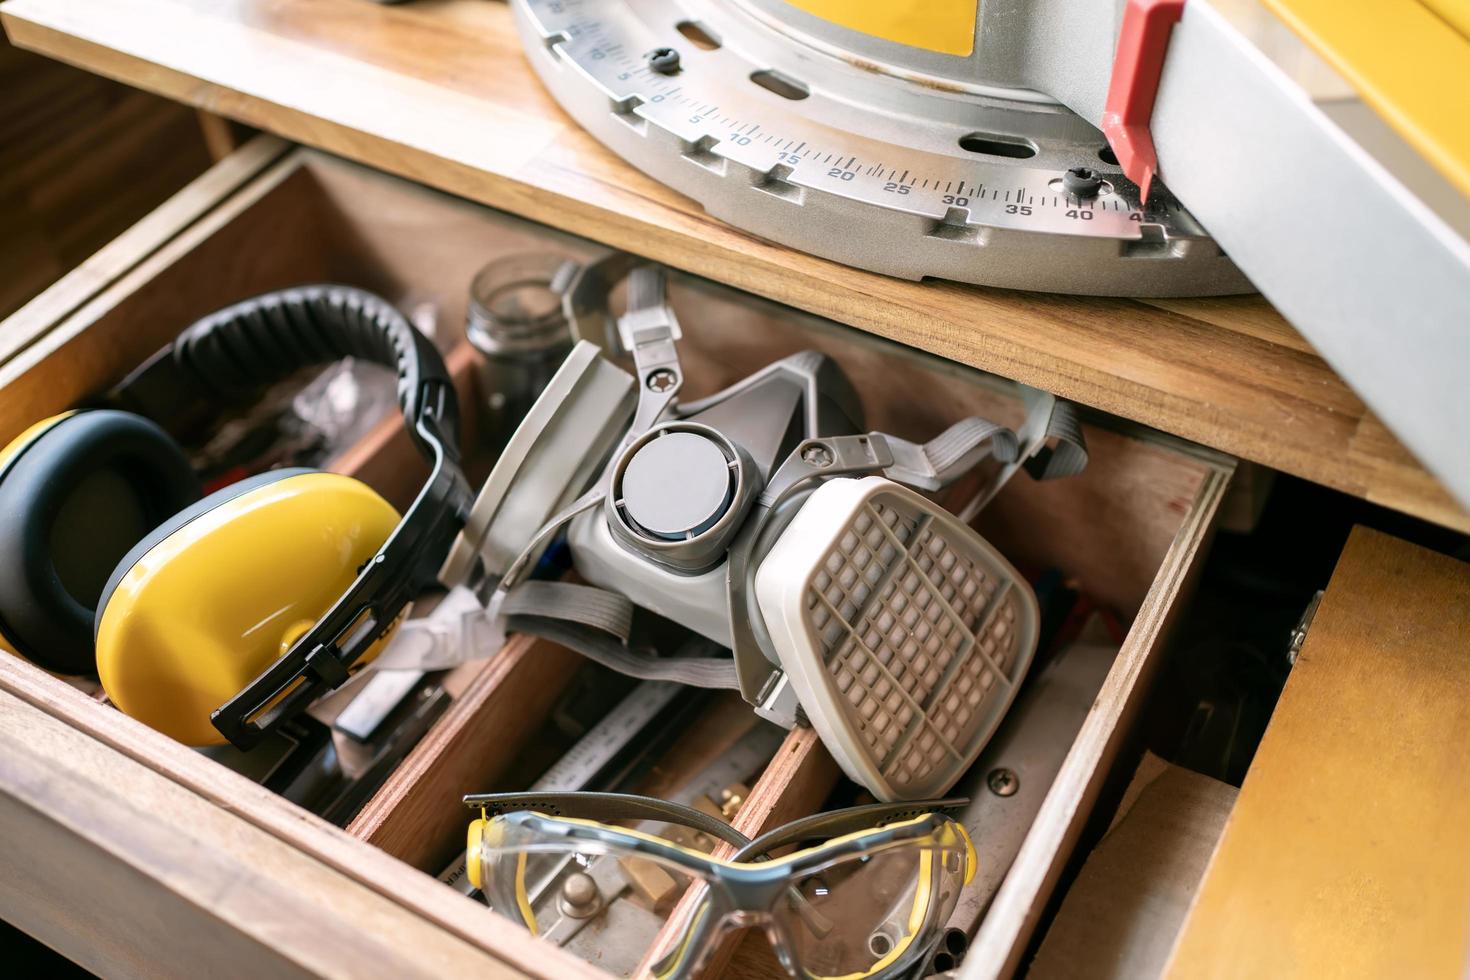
x=1003, y=782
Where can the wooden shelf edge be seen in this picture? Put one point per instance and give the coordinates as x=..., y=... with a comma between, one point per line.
x=304, y=831
x=1300, y=419
x=115, y=259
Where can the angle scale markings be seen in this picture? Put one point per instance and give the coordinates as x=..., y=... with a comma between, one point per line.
x=709, y=105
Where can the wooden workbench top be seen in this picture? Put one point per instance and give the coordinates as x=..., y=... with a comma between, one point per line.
x=438, y=91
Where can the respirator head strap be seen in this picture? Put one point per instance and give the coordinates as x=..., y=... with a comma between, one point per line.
x=585, y=290
x=951, y=454
x=650, y=331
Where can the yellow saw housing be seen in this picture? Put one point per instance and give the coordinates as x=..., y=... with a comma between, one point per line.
x=945, y=26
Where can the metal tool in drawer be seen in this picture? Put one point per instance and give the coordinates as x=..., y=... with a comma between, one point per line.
x=609, y=910
x=768, y=519
x=217, y=619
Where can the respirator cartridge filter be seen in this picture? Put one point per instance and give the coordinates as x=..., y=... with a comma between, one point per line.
x=903, y=632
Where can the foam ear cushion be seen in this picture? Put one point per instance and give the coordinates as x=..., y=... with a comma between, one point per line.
x=205, y=603
x=73, y=501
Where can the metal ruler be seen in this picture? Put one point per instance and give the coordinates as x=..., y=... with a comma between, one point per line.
x=607, y=742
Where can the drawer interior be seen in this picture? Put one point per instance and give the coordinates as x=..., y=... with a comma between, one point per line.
x=1124, y=532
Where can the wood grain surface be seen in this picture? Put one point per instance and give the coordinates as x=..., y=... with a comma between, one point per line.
x=438, y=91
x=1348, y=851
x=135, y=875
x=1133, y=527
x=997, y=948
x=145, y=237
x=418, y=815
x=1119, y=918
x=184, y=854
x=81, y=159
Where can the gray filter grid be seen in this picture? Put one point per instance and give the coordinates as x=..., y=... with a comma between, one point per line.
x=919, y=639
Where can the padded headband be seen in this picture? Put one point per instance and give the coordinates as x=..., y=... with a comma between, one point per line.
x=240, y=349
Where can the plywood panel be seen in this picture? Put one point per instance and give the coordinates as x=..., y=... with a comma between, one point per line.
x=1348, y=852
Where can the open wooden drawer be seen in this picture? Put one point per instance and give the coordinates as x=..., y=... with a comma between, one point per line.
x=134, y=854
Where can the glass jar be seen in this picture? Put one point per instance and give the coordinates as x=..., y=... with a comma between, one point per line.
x=516, y=324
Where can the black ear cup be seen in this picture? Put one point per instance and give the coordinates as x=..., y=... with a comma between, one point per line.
x=73, y=502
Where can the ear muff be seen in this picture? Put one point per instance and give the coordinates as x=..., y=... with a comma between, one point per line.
x=76, y=493
x=212, y=597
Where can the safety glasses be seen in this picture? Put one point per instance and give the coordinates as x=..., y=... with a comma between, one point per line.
x=870, y=901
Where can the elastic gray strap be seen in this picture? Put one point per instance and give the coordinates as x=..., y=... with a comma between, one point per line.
x=599, y=647
x=593, y=622
x=1068, y=456
x=949, y=450
x=607, y=807
x=1048, y=420
x=836, y=823
x=585, y=297
x=949, y=455
x=607, y=612
x=647, y=288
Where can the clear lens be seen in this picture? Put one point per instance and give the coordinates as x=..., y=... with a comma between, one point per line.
x=864, y=914
x=560, y=887
x=700, y=932
x=601, y=895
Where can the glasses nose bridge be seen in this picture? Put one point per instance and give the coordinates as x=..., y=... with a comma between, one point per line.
x=729, y=924
x=756, y=895
x=783, y=947
x=748, y=919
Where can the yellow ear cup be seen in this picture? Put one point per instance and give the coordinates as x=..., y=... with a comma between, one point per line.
x=193, y=617
x=473, y=842
x=24, y=439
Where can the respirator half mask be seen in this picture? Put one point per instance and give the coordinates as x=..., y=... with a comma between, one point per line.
x=768, y=519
